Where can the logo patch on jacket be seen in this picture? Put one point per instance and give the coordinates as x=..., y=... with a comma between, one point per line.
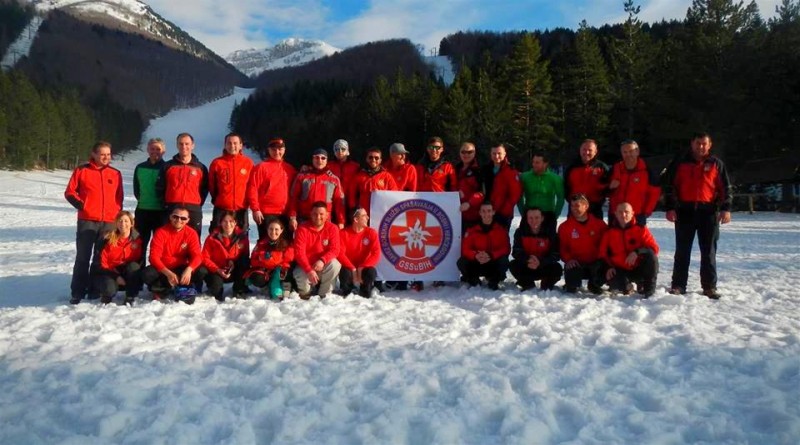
x=243, y=171
x=184, y=246
x=324, y=242
x=575, y=234
x=193, y=172
x=635, y=179
x=365, y=241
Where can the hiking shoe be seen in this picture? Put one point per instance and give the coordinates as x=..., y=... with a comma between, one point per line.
x=105, y=300
x=129, y=299
x=494, y=285
x=75, y=299
x=711, y=293
x=417, y=286
x=438, y=283
x=677, y=290
x=597, y=290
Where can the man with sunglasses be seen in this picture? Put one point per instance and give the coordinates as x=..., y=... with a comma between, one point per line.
x=315, y=184
x=268, y=189
x=633, y=182
x=371, y=178
x=434, y=172
x=175, y=257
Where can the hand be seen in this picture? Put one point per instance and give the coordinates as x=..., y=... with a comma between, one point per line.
x=258, y=217
x=482, y=257
x=313, y=278
x=614, y=184
x=571, y=264
x=357, y=275
x=225, y=275
x=464, y=206
x=293, y=223
x=672, y=216
x=630, y=260
x=186, y=276
x=724, y=217
x=533, y=262
x=610, y=273
x=172, y=279
x=318, y=266
x=341, y=226
x=120, y=281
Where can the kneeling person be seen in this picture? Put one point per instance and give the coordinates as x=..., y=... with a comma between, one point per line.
x=631, y=253
x=535, y=253
x=271, y=260
x=484, y=250
x=225, y=253
x=119, y=263
x=579, y=238
x=359, y=254
x=316, y=245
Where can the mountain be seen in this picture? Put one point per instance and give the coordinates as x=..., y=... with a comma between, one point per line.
x=289, y=52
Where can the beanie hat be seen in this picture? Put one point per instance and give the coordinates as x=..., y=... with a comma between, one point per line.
x=340, y=144
x=320, y=151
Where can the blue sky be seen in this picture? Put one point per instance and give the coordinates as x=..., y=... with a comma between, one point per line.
x=225, y=27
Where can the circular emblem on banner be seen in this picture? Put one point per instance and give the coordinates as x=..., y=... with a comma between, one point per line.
x=420, y=236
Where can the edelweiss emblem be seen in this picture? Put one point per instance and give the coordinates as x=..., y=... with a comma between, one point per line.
x=415, y=236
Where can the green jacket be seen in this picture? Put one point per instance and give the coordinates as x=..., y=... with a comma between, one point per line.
x=545, y=191
x=144, y=185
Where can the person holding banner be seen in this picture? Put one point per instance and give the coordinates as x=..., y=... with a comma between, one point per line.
x=404, y=174
x=484, y=251
x=535, y=253
x=316, y=244
x=371, y=178
x=359, y=254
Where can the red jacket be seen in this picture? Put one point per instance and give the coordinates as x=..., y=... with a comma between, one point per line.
x=503, y=188
x=220, y=251
x=437, y=176
x=185, y=184
x=693, y=182
x=268, y=256
x=360, y=249
x=470, y=190
x=127, y=250
x=590, y=179
x=95, y=191
x=493, y=240
x=268, y=190
x=404, y=175
x=618, y=243
x=580, y=241
x=314, y=185
x=227, y=181
x=543, y=245
x=345, y=171
x=311, y=245
x=364, y=184
x=638, y=187
x=171, y=249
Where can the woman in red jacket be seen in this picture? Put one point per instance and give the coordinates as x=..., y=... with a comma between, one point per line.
x=119, y=261
x=359, y=254
x=271, y=260
x=225, y=253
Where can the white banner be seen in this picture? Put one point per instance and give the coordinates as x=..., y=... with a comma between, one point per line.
x=420, y=235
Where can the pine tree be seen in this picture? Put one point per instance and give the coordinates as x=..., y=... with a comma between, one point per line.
x=457, y=116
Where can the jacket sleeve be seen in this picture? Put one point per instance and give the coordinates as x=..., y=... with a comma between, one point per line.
x=648, y=241
x=374, y=255
x=503, y=247
x=252, y=189
x=288, y=257
x=212, y=181
x=71, y=194
x=518, y=251
x=157, y=251
x=195, y=252
x=514, y=193
x=294, y=196
x=668, y=183
x=338, y=202
x=208, y=259
x=333, y=247
x=411, y=181
x=561, y=197
x=300, y=245
x=604, y=253
x=161, y=183
x=343, y=259
x=136, y=182
x=565, y=180
x=652, y=193
x=203, y=185
x=724, y=189
x=553, y=255
x=120, y=197
x=467, y=250
x=563, y=246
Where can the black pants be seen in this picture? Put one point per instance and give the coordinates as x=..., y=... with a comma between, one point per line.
x=704, y=222
x=147, y=221
x=368, y=276
x=549, y=274
x=242, y=218
x=472, y=270
x=594, y=272
x=157, y=282
x=105, y=284
x=216, y=283
x=89, y=233
x=195, y=216
x=645, y=273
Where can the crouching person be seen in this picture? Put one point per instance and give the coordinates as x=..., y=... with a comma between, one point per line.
x=271, y=260
x=535, y=253
x=579, y=243
x=631, y=253
x=120, y=253
x=316, y=246
x=175, y=259
x=225, y=256
x=359, y=254
x=484, y=250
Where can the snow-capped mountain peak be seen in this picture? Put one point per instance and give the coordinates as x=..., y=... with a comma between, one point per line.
x=288, y=52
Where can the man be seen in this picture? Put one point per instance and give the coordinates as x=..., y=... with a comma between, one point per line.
x=371, y=178
x=501, y=182
x=634, y=183
x=698, y=199
x=228, y=176
x=359, y=255
x=316, y=245
x=484, y=251
x=535, y=253
x=268, y=190
x=183, y=182
x=631, y=254
x=316, y=184
x=345, y=169
x=588, y=175
x=470, y=186
x=149, y=213
x=175, y=258
x=404, y=174
x=543, y=189
x=434, y=172
x=95, y=190
x=579, y=244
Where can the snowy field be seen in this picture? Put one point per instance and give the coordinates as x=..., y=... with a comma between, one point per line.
x=445, y=366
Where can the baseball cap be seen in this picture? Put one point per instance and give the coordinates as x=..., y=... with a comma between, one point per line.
x=398, y=148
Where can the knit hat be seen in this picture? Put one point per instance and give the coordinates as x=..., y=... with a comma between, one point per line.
x=398, y=148
x=340, y=144
x=320, y=151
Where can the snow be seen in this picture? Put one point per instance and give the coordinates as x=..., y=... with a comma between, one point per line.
x=446, y=365
x=442, y=68
x=288, y=52
x=21, y=47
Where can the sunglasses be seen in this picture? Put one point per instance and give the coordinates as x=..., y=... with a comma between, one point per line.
x=435, y=147
x=467, y=152
x=179, y=218
x=378, y=158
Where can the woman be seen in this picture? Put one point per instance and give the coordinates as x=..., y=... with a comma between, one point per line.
x=359, y=254
x=271, y=260
x=118, y=265
x=225, y=256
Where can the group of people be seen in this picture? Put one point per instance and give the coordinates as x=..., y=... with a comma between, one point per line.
x=313, y=223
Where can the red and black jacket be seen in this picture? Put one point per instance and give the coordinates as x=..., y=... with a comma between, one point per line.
x=366, y=182
x=590, y=179
x=183, y=183
x=439, y=176
x=311, y=245
x=638, y=187
x=619, y=242
x=492, y=239
x=692, y=183
x=114, y=257
x=580, y=241
x=542, y=245
x=502, y=188
x=470, y=190
x=315, y=185
x=269, y=255
x=95, y=191
x=220, y=251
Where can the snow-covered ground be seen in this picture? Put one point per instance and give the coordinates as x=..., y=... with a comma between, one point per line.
x=21, y=47
x=446, y=365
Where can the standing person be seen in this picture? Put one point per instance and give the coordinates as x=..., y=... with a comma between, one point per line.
x=228, y=176
x=176, y=259
x=314, y=184
x=434, y=172
x=225, y=257
x=316, y=245
x=631, y=253
x=698, y=199
x=341, y=165
x=634, y=183
x=183, y=182
x=501, y=182
x=588, y=175
x=268, y=190
x=535, y=253
x=371, y=178
x=359, y=254
x=543, y=189
x=484, y=251
x=579, y=244
x=404, y=173
x=271, y=260
x=120, y=253
x=470, y=186
x=149, y=205
x=95, y=190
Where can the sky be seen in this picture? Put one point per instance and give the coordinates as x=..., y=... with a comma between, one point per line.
x=343, y=23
